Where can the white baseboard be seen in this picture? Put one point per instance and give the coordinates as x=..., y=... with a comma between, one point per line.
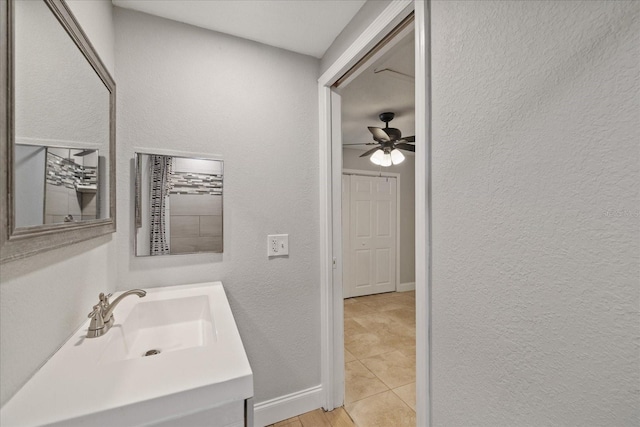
x=405, y=287
x=283, y=407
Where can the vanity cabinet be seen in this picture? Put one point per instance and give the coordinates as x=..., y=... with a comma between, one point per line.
x=231, y=414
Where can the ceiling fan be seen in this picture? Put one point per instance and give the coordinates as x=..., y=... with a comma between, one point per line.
x=389, y=141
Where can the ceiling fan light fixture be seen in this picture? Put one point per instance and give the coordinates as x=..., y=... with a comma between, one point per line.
x=376, y=157
x=386, y=160
x=396, y=156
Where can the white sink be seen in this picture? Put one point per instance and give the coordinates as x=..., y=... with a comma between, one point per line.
x=196, y=362
x=161, y=326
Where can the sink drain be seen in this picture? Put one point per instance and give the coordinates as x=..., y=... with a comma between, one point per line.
x=151, y=352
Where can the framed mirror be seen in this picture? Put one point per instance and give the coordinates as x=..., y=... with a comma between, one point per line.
x=178, y=207
x=58, y=131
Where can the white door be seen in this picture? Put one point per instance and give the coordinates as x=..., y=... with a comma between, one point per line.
x=370, y=254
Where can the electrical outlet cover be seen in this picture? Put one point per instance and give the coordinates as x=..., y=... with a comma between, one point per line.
x=277, y=245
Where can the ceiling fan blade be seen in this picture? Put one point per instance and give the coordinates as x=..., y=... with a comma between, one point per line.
x=411, y=138
x=369, y=152
x=363, y=143
x=404, y=146
x=379, y=134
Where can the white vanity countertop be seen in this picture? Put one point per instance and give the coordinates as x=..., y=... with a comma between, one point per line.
x=78, y=387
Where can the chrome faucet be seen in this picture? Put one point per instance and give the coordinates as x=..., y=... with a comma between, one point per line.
x=102, y=314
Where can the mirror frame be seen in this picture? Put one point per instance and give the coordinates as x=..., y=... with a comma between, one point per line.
x=26, y=241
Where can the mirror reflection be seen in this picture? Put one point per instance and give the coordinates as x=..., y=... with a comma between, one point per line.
x=60, y=101
x=55, y=185
x=178, y=205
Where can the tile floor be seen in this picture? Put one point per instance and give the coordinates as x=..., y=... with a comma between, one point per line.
x=380, y=360
x=318, y=418
x=380, y=365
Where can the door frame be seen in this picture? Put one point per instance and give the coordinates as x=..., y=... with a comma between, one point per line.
x=330, y=182
x=364, y=172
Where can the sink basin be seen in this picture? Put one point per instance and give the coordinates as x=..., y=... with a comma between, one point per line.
x=176, y=351
x=157, y=327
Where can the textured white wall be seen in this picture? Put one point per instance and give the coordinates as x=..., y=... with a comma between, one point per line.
x=186, y=88
x=535, y=280
x=45, y=298
x=351, y=160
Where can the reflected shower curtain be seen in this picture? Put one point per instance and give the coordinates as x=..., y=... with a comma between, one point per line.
x=160, y=186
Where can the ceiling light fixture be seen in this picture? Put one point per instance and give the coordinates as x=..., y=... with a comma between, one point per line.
x=396, y=156
x=386, y=157
x=376, y=157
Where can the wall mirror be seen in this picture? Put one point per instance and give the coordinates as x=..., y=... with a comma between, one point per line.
x=178, y=208
x=58, y=131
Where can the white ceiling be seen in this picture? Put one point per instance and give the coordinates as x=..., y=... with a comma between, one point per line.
x=304, y=26
x=372, y=93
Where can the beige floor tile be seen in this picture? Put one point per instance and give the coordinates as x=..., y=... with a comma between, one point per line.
x=405, y=302
x=351, y=327
x=289, y=422
x=405, y=344
x=394, y=368
x=380, y=305
x=380, y=334
x=381, y=323
x=406, y=316
x=314, y=419
x=382, y=410
x=390, y=296
x=408, y=350
x=339, y=418
x=348, y=357
x=408, y=394
x=360, y=382
x=369, y=344
x=357, y=309
x=373, y=322
x=350, y=301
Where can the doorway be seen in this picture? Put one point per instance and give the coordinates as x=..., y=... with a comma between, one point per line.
x=330, y=161
x=377, y=231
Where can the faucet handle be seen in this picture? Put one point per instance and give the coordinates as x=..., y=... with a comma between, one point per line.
x=96, y=327
x=97, y=309
x=104, y=301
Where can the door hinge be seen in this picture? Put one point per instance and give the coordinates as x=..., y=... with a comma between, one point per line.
x=335, y=263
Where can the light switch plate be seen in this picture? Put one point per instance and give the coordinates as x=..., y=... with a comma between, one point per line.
x=277, y=244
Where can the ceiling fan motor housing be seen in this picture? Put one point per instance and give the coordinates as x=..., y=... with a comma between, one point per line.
x=387, y=116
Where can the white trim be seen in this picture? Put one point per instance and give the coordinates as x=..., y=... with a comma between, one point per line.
x=406, y=287
x=177, y=153
x=338, y=386
x=366, y=172
x=283, y=407
x=332, y=372
x=57, y=143
x=379, y=54
x=327, y=303
x=423, y=213
x=380, y=27
x=395, y=175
